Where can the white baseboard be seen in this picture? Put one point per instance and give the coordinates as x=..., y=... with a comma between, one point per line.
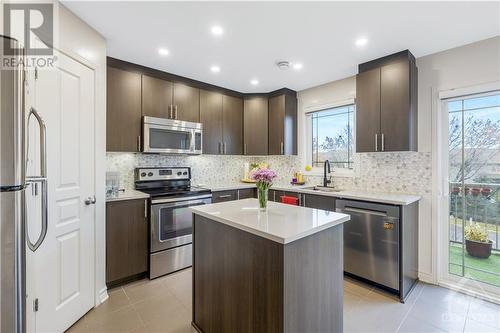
x=426, y=277
x=103, y=296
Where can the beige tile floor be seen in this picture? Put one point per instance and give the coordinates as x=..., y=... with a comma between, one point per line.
x=164, y=305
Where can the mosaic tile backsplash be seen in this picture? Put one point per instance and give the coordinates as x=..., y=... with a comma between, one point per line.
x=405, y=172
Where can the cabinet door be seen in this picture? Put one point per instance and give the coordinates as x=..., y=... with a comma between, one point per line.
x=222, y=196
x=277, y=125
x=156, y=97
x=255, y=123
x=247, y=193
x=368, y=111
x=211, y=118
x=186, y=103
x=123, y=110
x=232, y=119
x=318, y=202
x=126, y=239
x=395, y=107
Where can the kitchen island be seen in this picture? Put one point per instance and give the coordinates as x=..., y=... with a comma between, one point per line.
x=279, y=271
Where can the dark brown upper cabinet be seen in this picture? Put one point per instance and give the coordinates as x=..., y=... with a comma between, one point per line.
x=255, y=125
x=211, y=118
x=222, y=119
x=156, y=97
x=186, y=103
x=283, y=124
x=386, y=104
x=232, y=125
x=123, y=110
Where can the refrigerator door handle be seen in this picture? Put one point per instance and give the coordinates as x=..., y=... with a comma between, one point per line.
x=42, y=179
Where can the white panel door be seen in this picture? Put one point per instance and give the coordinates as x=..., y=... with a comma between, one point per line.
x=64, y=263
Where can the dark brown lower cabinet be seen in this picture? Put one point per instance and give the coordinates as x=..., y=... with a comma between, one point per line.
x=318, y=202
x=126, y=241
x=247, y=193
x=221, y=196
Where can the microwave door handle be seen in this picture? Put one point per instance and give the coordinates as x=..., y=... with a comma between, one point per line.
x=39, y=179
x=192, y=147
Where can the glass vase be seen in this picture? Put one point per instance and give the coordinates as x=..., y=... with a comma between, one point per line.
x=262, y=195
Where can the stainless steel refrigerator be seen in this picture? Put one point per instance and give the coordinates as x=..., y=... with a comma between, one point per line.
x=13, y=185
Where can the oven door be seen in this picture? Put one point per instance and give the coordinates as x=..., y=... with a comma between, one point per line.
x=172, y=221
x=167, y=139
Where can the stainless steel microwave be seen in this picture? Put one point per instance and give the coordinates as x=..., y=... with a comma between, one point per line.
x=169, y=136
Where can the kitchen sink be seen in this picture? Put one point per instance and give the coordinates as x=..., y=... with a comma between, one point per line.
x=322, y=188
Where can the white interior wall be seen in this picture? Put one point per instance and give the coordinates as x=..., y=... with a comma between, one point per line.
x=80, y=41
x=469, y=65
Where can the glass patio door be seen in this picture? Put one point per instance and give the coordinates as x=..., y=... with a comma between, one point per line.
x=474, y=187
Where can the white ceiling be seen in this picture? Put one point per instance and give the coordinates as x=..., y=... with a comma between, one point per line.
x=320, y=35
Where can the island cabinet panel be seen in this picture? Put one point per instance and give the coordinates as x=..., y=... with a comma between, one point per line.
x=318, y=202
x=126, y=240
x=156, y=97
x=186, y=102
x=238, y=280
x=313, y=291
x=255, y=126
x=246, y=283
x=222, y=196
x=211, y=118
x=123, y=111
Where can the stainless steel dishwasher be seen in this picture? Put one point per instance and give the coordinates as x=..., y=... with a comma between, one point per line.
x=371, y=241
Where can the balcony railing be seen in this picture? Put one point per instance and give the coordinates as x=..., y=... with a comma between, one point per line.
x=482, y=205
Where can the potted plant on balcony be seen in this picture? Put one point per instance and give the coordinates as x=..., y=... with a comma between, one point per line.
x=477, y=243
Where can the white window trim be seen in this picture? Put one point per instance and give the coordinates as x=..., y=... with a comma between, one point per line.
x=317, y=171
x=440, y=195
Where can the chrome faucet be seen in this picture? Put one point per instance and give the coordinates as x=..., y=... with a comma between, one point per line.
x=326, y=166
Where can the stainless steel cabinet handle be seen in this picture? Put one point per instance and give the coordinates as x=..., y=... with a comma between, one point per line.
x=139, y=143
x=244, y=149
x=171, y=111
x=376, y=142
x=175, y=112
x=282, y=148
x=42, y=179
x=364, y=211
x=225, y=196
x=383, y=145
x=90, y=200
x=224, y=148
x=220, y=147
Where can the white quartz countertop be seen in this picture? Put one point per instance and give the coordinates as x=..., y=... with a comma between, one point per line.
x=128, y=195
x=281, y=223
x=381, y=197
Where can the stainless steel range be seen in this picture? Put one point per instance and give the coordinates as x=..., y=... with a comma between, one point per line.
x=171, y=222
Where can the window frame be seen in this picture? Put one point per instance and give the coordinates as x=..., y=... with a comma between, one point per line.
x=317, y=171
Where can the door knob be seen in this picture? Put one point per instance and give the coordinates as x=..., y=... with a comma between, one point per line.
x=90, y=200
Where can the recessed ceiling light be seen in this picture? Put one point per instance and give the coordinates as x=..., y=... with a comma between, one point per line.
x=361, y=41
x=254, y=82
x=217, y=30
x=163, y=51
x=215, y=69
x=297, y=65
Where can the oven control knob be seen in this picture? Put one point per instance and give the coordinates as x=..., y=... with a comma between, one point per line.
x=150, y=174
x=185, y=173
x=143, y=174
x=179, y=173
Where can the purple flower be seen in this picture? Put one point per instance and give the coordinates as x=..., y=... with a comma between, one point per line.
x=264, y=176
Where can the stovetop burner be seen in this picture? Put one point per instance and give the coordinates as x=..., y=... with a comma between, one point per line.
x=167, y=182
